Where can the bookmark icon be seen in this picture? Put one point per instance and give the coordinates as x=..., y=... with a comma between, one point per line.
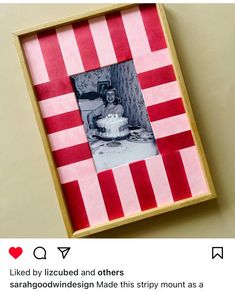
x=64, y=251
x=218, y=252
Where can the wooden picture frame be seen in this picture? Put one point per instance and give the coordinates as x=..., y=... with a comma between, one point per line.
x=176, y=178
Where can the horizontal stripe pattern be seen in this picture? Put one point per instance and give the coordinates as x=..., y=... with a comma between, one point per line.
x=58, y=105
x=161, y=93
x=171, y=125
x=53, y=88
x=152, y=61
x=72, y=154
x=77, y=171
x=157, y=77
x=67, y=138
x=175, y=142
x=166, y=109
x=63, y=121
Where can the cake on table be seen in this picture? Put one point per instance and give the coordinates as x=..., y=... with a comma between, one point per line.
x=112, y=127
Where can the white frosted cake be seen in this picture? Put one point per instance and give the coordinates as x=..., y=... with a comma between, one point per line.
x=112, y=127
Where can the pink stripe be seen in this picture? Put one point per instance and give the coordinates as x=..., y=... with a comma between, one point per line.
x=67, y=138
x=84, y=172
x=126, y=190
x=194, y=171
x=161, y=93
x=58, y=105
x=170, y=125
x=135, y=31
x=76, y=171
x=69, y=49
x=35, y=60
x=102, y=40
x=158, y=178
x=152, y=61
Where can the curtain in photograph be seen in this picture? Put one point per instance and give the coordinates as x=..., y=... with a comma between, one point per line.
x=124, y=78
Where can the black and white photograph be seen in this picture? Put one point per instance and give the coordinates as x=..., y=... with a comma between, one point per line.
x=114, y=115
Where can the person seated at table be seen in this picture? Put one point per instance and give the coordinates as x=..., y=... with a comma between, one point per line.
x=111, y=106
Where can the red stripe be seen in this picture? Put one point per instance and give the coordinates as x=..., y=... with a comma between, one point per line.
x=86, y=45
x=52, y=54
x=166, y=109
x=153, y=27
x=72, y=154
x=62, y=121
x=143, y=185
x=157, y=77
x=118, y=36
x=110, y=194
x=175, y=142
x=75, y=205
x=176, y=176
x=54, y=88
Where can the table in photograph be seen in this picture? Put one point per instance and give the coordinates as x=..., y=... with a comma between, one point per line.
x=129, y=150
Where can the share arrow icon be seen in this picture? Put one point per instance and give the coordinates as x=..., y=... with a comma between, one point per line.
x=64, y=251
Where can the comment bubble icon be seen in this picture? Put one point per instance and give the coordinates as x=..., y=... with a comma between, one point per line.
x=40, y=253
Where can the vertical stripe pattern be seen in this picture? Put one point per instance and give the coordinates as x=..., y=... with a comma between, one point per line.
x=35, y=60
x=101, y=36
x=69, y=49
x=194, y=171
x=126, y=190
x=118, y=36
x=143, y=185
x=52, y=54
x=159, y=180
x=153, y=27
x=177, y=176
x=135, y=31
x=75, y=205
x=110, y=194
x=86, y=45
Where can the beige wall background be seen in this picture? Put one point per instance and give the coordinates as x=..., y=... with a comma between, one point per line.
x=205, y=39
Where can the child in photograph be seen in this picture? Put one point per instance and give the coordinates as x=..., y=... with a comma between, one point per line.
x=111, y=106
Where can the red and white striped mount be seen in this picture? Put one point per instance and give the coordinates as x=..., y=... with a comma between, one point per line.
x=93, y=198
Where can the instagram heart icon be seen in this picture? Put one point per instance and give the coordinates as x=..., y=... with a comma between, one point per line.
x=15, y=252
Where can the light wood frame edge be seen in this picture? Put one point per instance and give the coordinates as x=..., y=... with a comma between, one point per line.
x=72, y=19
x=133, y=218
x=143, y=215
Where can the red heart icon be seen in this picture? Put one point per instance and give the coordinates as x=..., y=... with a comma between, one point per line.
x=15, y=252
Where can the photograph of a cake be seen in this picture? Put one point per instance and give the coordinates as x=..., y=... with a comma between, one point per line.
x=114, y=115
